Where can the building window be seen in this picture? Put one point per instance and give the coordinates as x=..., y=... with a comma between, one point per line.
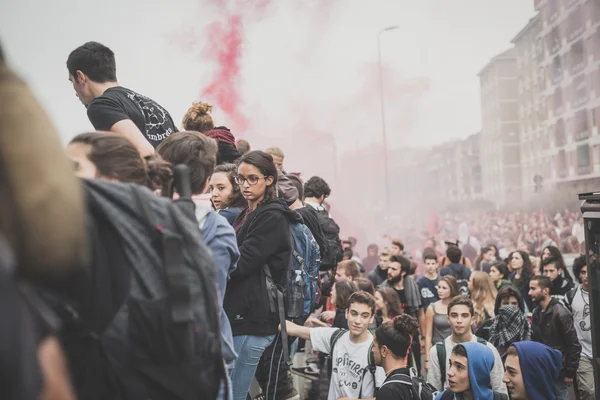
x=583, y=159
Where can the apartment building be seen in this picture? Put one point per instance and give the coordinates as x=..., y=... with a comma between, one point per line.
x=500, y=141
x=529, y=54
x=569, y=86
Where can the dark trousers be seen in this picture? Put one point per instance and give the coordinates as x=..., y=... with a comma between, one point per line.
x=273, y=373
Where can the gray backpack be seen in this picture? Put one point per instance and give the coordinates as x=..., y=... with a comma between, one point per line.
x=161, y=339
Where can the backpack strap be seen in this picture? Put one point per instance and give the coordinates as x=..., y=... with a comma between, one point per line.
x=568, y=300
x=399, y=378
x=337, y=334
x=481, y=340
x=441, y=353
x=277, y=305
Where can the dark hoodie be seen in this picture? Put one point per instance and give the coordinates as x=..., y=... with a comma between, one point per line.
x=311, y=220
x=480, y=363
x=560, y=287
x=540, y=367
x=263, y=239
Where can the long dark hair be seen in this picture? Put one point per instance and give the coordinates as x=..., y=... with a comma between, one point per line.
x=559, y=261
x=502, y=268
x=117, y=158
x=527, y=269
x=236, y=199
x=392, y=301
x=264, y=163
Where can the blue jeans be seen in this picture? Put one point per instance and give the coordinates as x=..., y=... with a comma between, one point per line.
x=224, y=385
x=249, y=350
x=562, y=391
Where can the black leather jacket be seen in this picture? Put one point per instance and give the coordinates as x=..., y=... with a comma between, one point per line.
x=555, y=326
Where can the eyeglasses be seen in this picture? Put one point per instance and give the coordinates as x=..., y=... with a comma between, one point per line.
x=252, y=179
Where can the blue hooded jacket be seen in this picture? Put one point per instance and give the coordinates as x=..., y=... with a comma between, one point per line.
x=480, y=363
x=540, y=366
x=220, y=238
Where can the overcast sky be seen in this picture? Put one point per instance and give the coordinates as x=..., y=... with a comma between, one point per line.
x=304, y=66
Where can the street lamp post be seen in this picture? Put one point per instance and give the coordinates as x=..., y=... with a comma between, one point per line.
x=383, y=130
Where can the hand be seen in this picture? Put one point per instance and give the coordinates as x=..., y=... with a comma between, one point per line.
x=327, y=315
x=312, y=321
x=568, y=381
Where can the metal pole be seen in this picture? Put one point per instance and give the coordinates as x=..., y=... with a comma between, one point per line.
x=383, y=130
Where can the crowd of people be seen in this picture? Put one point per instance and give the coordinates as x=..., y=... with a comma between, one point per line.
x=185, y=265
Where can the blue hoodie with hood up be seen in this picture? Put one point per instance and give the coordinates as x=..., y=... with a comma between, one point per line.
x=540, y=366
x=220, y=238
x=480, y=363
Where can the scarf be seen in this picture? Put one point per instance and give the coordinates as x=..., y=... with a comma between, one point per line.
x=509, y=326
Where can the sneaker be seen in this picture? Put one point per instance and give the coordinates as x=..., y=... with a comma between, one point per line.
x=307, y=372
x=293, y=395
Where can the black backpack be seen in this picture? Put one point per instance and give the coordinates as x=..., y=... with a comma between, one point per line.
x=421, y=390
x=332, y=253
x=145, y=322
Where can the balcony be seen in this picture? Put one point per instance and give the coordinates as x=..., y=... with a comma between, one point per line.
x=584, y=170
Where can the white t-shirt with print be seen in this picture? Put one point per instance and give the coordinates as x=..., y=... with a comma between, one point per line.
x=349, y=364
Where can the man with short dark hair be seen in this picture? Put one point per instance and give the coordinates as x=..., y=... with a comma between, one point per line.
x=578, y=302
x=352, y=377
x=407, y=288
x=397, y=247
x=457, y=270
x=408, y=292
x=110, y=106
x=460, y=317
x=551, y=267
x=555, y=324
x=316, y=190
x=469, y=374
x=531, y=369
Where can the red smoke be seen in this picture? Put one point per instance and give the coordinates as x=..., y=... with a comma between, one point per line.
x=225, y=50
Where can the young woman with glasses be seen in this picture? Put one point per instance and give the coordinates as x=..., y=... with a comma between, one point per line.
x=264, y=242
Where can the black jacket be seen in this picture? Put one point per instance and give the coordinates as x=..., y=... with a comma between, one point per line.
x=560, y=287
x=311, y=220
x=264, y=239
x=377, y=276
x=557, y=330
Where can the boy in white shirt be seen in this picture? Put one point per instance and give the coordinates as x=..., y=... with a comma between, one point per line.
x=352, y=361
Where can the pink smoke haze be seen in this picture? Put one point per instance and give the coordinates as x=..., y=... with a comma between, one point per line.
x=225, y=49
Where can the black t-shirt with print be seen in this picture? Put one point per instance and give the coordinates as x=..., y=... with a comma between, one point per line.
x=393, y=390
x=119, y=103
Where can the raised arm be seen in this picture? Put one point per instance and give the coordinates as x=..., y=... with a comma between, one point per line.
x=295, y=330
